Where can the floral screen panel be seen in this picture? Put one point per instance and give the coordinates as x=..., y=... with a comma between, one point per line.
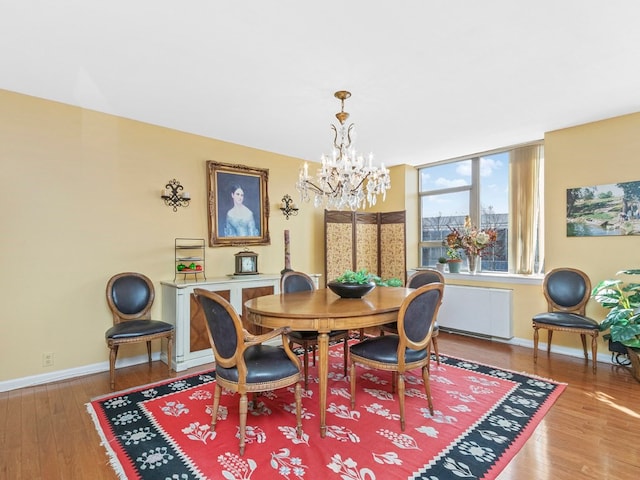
x=339, y=252
x=393, y=255
x=367, y=246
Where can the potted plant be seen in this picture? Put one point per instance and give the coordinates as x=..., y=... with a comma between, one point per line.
x=442, y=261
x=623, y=320
x=353, y=284
x=454, y=260
x=357, y=284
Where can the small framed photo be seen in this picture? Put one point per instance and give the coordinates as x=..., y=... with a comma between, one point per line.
x=238, y=205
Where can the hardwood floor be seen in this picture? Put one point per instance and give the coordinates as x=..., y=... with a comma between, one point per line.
x=592, y=431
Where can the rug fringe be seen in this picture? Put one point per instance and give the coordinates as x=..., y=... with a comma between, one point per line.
x=113, y=459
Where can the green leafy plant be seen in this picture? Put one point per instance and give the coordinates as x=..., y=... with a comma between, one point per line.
x=389, y=282
x=359, y=277
x=623, y=301
x=362, y=276
x=442, y=260
x=453, y=254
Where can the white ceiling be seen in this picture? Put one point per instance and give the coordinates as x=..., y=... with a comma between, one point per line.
x=430, y=79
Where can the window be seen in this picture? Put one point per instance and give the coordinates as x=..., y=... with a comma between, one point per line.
x=490, y=188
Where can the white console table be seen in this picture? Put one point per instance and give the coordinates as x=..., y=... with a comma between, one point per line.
x=180, y=308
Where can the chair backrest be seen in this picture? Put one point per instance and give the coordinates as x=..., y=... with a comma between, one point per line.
x=130, y=296
x=296, y=282
x=224, y=327
x=417, y=316
x=567, y=290
x=424, y=277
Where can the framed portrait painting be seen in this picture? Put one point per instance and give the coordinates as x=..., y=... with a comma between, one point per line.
x=238, y=205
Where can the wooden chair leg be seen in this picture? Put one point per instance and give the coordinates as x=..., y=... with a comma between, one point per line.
x=594, y=350
x=346, y=354
x=401, y=398
x=583, y=338
x=352, y=376
x=535, y=344
x=169, y=352
x=298, y=395
x=216, y=403
x=113, y=355
x=427, y=388
x=149, y=351
x=306, y=367
x=549, y=338
x=243, y=420
x=434, y=342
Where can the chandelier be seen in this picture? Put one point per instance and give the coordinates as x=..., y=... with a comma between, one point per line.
x=345, y=179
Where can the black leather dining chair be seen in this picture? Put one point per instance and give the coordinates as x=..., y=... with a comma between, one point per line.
x=244, y=362
x=406, y=350
x=419, y=279
x=130, y=296
x=567, y=291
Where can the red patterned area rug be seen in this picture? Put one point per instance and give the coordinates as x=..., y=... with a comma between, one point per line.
x=482, y=417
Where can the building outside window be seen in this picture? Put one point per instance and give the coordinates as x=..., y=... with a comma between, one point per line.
x=484, y=187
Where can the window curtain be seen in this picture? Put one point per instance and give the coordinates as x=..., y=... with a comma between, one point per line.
x=526, y=251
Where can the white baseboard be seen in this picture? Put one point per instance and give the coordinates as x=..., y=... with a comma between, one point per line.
x=59, y=375
x=603, y=357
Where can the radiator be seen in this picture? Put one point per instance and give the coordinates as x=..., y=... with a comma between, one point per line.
x=477, y=310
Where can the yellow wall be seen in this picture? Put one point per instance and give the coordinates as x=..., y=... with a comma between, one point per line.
x=597, y=153
x=80, y=202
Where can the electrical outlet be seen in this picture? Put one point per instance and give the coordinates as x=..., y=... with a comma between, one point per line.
x=47, y=359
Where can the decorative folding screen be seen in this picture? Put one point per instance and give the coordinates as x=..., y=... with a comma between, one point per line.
x=375, y=241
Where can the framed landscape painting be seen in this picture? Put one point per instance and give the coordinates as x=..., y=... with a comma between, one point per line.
x=238, y=205
x=601, y=210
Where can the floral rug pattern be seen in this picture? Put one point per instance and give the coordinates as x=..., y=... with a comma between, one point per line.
x=482, y=416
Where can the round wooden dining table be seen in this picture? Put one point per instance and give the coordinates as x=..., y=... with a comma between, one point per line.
x=323, y=311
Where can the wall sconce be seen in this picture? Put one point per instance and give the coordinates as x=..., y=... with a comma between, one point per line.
x=174, y=196
x=288, y=207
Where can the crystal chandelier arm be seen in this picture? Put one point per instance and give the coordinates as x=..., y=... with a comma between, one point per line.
x=357, y=187
x=345, y=178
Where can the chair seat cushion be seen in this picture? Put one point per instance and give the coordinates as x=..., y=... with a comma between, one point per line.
x=385, y=349
x=137, y=328
x=566, y=320
x=265, y=363
x=313, y=336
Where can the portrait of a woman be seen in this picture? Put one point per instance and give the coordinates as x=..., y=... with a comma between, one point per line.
x=238, y=205
x=240, y=221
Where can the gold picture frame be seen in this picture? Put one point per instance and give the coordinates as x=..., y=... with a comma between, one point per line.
x=238, y=205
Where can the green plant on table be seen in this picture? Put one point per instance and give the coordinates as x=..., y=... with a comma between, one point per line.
x=389, y=282
x=363, y=276
x=623, y=302
x=443, y=260
x=360, y=277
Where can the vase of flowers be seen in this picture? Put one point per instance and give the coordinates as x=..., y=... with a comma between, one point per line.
x=473, y=263
x=472, y=240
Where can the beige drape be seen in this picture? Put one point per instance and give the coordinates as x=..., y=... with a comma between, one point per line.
x=525, y=205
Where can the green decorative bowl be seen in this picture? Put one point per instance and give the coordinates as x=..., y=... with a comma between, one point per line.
x=351, y=290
